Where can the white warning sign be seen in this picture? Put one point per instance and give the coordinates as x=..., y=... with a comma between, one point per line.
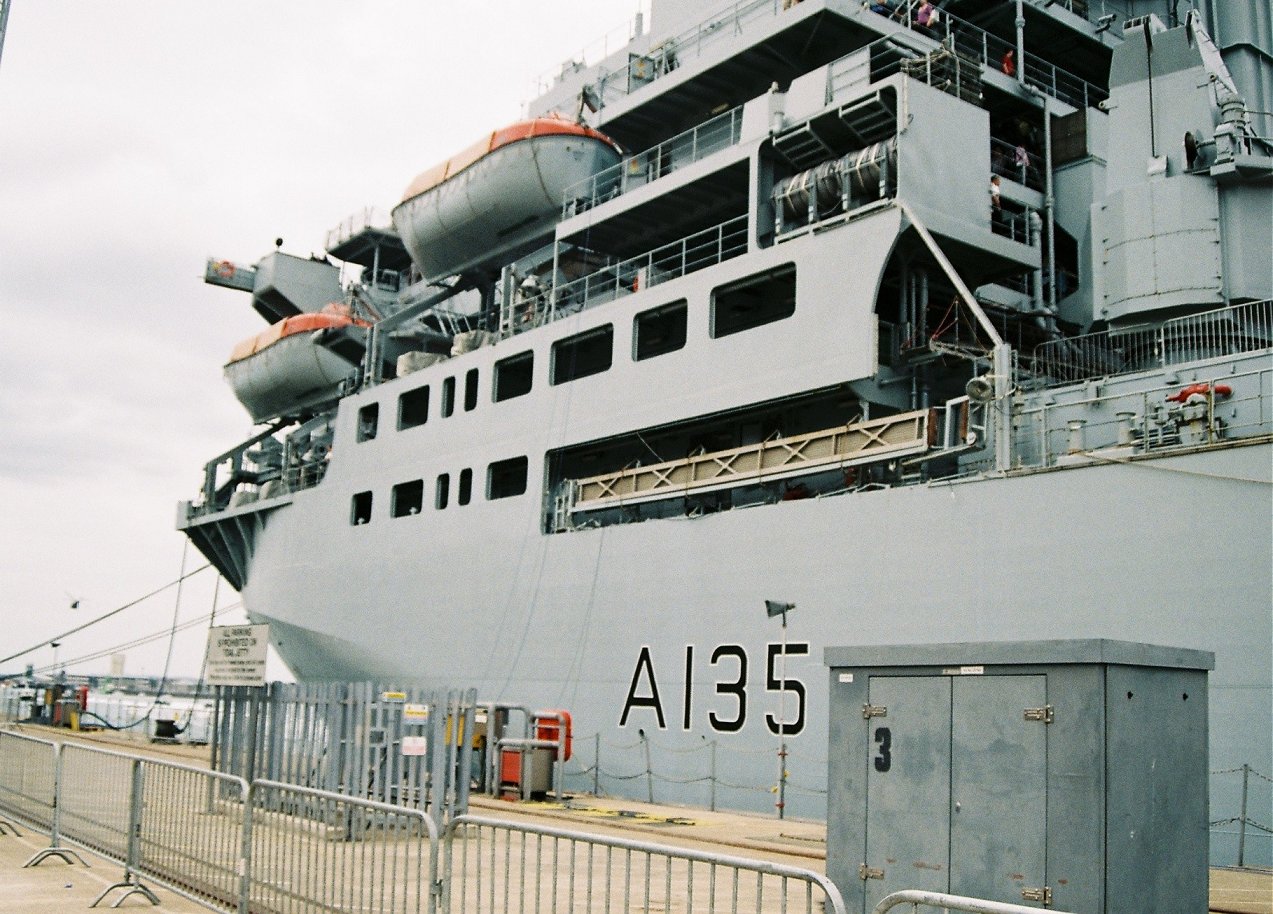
x=236, y=655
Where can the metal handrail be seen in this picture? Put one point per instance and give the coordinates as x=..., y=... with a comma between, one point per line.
x=834, y=901
x=976, y=42
x=1235, y=328
x=693, y=40
x=685, y=148
x=952, y=903
x=670, y=261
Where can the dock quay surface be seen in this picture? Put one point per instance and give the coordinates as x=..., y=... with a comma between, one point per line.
x=56, y=886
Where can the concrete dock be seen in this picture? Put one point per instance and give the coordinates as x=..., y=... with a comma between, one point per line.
x=55, y=886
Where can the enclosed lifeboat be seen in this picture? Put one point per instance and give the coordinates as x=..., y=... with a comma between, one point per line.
x=503, y=192
x=287, y=367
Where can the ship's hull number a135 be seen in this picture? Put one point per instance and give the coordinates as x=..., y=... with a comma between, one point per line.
x=727, y=667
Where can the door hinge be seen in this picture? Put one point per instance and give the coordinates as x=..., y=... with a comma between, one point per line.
x=1043, y=714
x=866, y=872
x=1043, y=895
x=869, y=711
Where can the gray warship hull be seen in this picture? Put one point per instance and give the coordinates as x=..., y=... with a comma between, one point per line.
x=794, y=350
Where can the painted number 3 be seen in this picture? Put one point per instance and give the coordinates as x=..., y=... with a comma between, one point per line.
x=884, y=760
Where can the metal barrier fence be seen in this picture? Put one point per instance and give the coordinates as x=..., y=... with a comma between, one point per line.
x=315, y=850
x=494, y=865
x=28, y=785
x=397, y=745
x=179, y=825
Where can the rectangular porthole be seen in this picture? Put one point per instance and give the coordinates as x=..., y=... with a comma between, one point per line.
x=360, y=509
x=413, y=408
x=584, y=354
x=754, y=302
x=470, y=390
x=442, y=493
x=506, y=478
x=448, y=397
x=659, y=331
x=513, y=376
x=465, y=492
x=406, y=498
x=368, y=421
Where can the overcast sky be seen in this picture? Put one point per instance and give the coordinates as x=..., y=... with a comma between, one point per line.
x=137, y=139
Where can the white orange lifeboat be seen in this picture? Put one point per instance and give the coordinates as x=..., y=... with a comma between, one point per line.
x=284, y=369
x=501, y=193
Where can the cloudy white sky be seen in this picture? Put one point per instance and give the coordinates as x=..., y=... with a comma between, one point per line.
x=138, y=138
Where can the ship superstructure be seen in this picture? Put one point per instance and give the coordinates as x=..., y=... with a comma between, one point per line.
x=940, y=329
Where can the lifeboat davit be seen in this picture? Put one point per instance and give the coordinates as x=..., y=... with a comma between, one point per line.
x=503, y=192
x=285, y=368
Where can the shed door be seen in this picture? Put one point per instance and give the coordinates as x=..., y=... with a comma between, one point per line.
x=998, y=809
x=907, y=786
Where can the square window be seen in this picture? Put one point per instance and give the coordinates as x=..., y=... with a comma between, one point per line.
x=754, y=301
x=584, y=354
x=413, y=408
x=514, y=375
x=406, y=498
x=506, y=478
x=659, y=331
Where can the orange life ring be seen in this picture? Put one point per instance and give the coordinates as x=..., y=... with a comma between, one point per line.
x=224, y=269
x=1221, y=390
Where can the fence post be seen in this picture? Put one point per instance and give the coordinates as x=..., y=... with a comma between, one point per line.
x=55, y=849
x=649, y=774
x=713, y=778
x=245, y=850
x=1246, y=774
x=132, y=856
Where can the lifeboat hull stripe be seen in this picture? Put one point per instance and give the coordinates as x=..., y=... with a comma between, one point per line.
x=515, y=133
x=298, y=323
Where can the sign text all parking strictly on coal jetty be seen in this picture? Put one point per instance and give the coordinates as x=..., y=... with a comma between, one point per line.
x=236, y=655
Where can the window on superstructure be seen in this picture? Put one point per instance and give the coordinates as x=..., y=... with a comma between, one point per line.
x=470, y=390
x=443, y=491
x=465, y=492
x=406, y=498
x=513, y=376
x=448, y=397
x=506, y=478
x=754, y=301
x=585, y=354
x=368, y=421
x=413, y=408
x=659, y=331
x=360, y=509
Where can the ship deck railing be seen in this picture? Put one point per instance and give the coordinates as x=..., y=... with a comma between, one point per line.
x=960, y=35
x=1095, y=424
x=1230, y=330
x=624, y=277
x=972, y=41
x=641, y=70
x=597, y=50
x=700, y=141
x=368, y=218
x=1006, y=162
